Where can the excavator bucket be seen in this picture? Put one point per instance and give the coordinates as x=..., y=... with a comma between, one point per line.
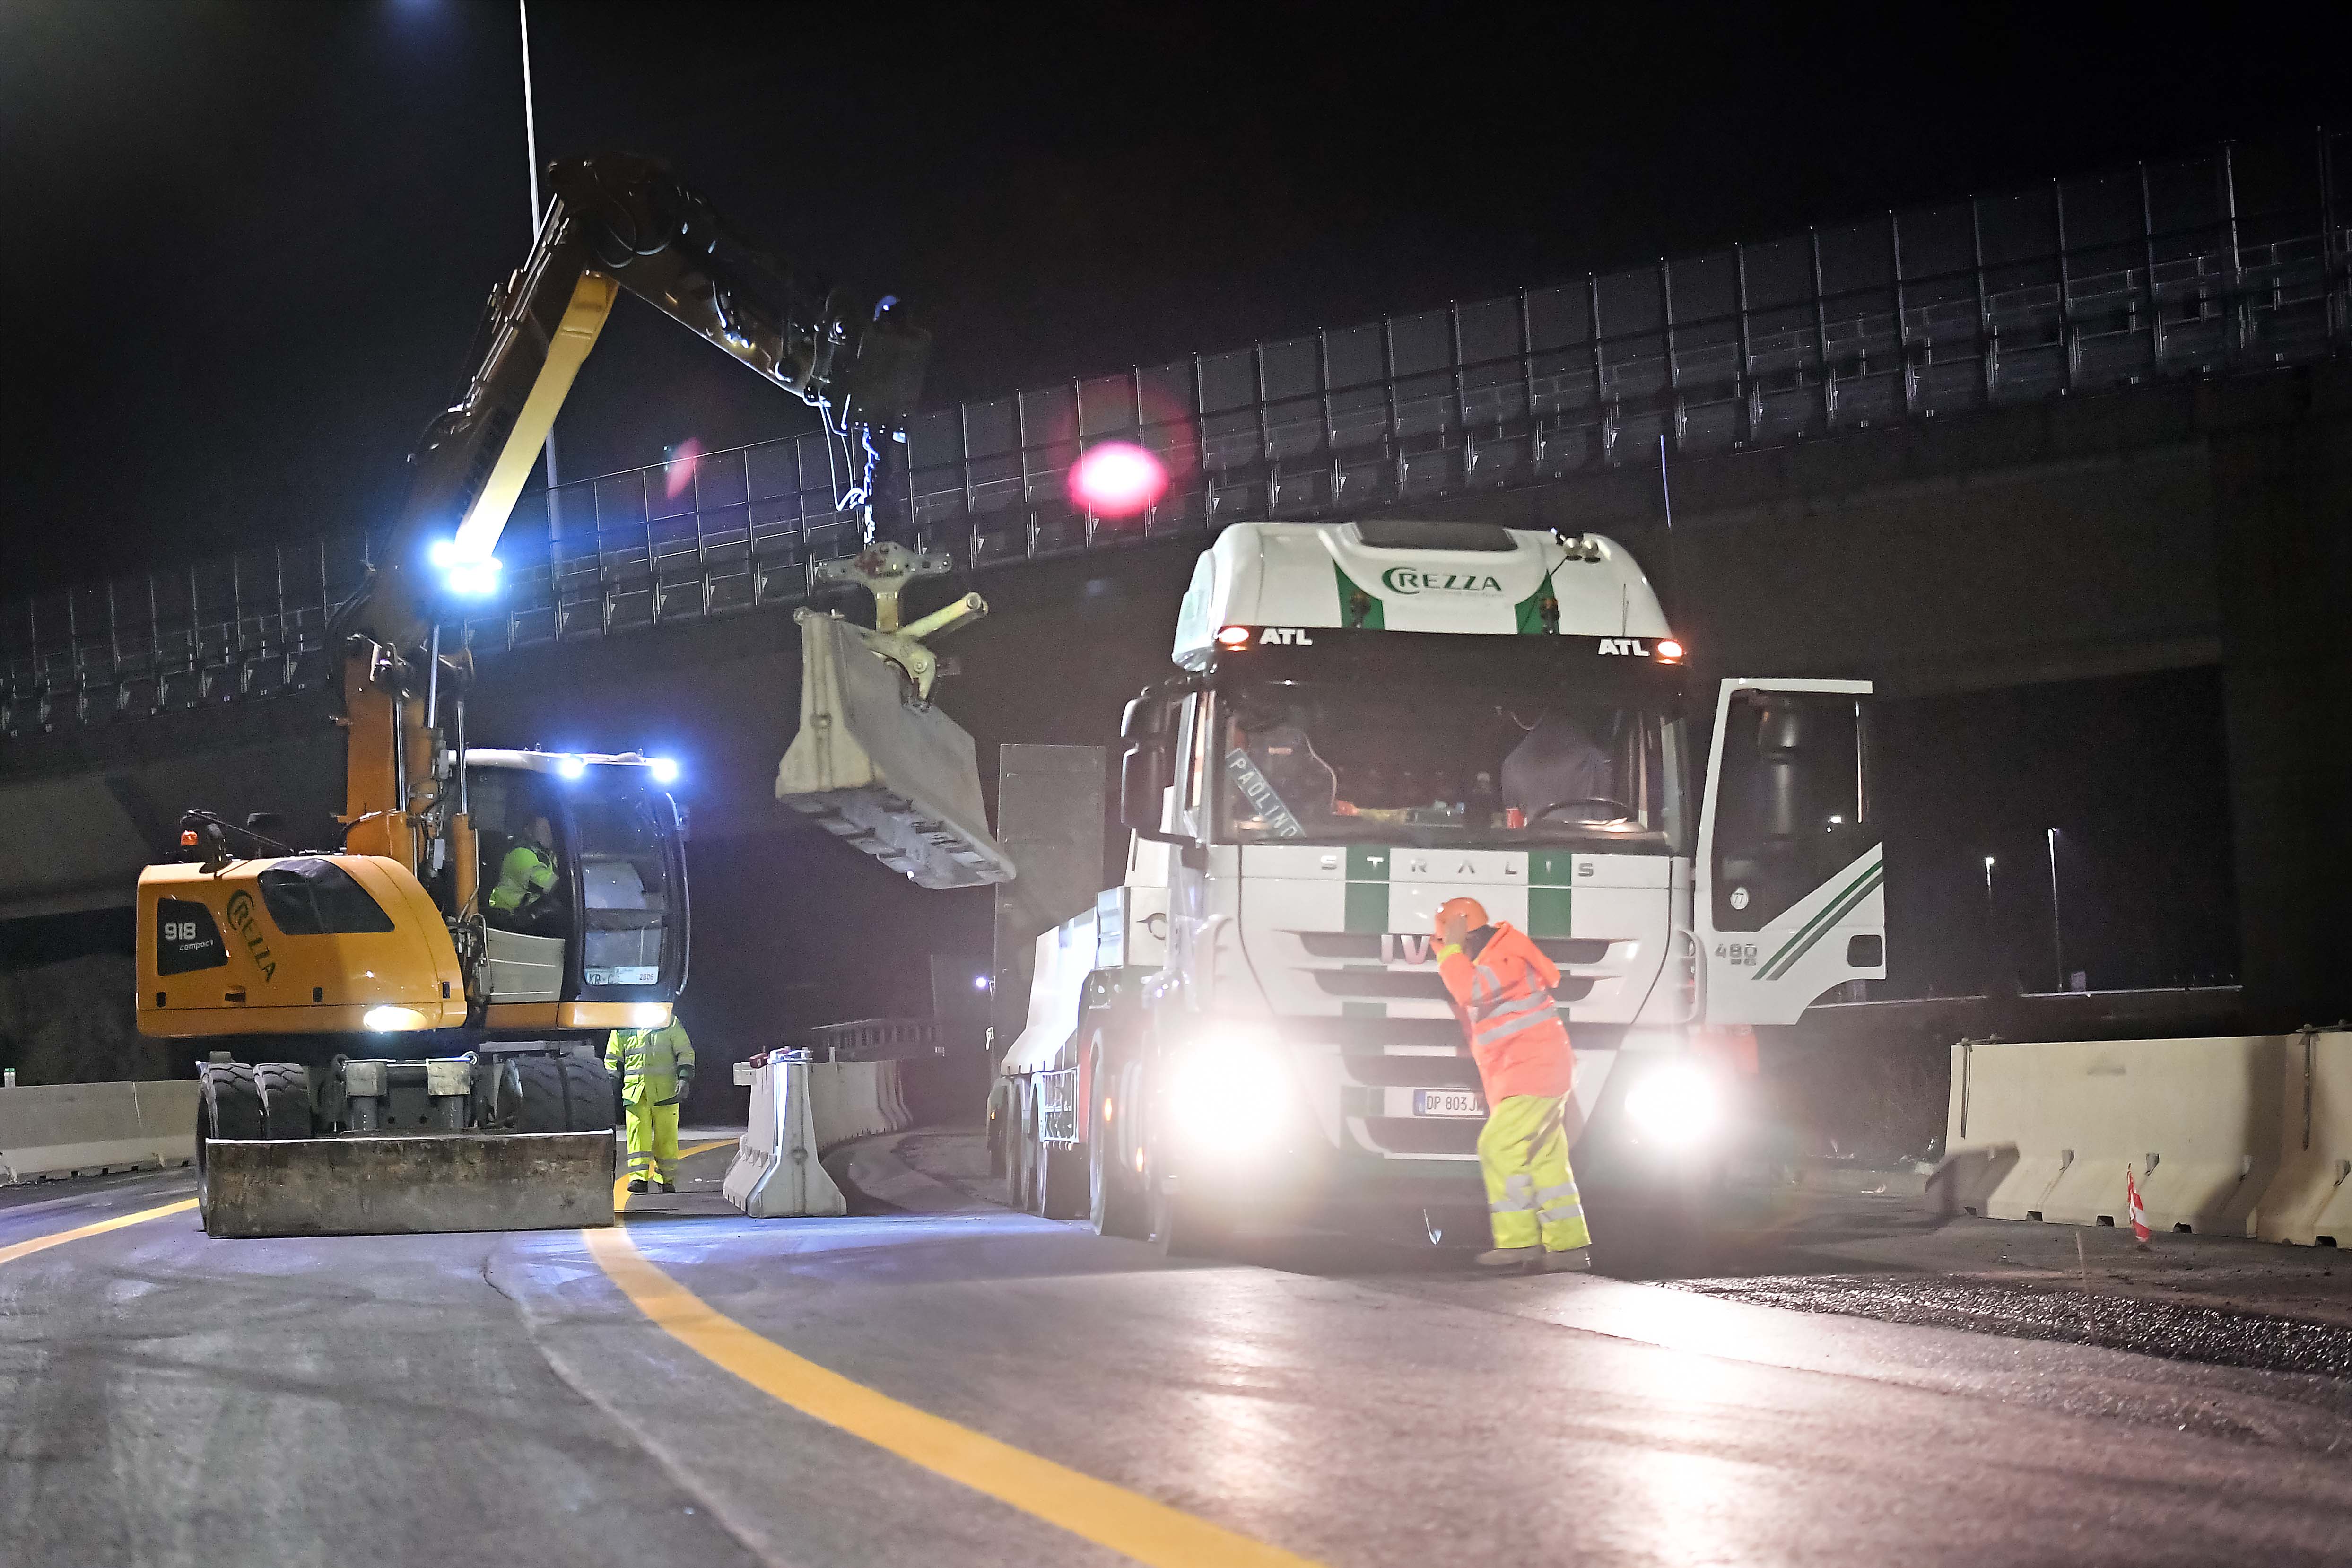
x=885, y=771
x=406, y=1185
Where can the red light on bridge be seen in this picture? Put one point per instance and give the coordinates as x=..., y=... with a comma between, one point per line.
x=1116, y=479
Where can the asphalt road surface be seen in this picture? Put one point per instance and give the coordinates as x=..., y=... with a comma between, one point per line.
x=970, y=1386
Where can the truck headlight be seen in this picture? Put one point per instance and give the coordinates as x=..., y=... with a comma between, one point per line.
x=1229, y=1093
x=1676, y=1104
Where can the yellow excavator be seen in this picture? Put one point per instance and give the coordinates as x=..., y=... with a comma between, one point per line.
x=393, y=1018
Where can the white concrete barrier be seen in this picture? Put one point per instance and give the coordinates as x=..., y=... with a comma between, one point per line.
x=800, y=1110
x=2310, y=1199
x=2213, y=1129
x=776, y=1172
x=856, y=1100
x=66, y=1129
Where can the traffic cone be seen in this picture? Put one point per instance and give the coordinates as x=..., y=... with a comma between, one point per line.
x=2139, y=1214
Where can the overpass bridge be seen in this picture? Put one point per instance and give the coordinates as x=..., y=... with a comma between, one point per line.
x=2095, y=428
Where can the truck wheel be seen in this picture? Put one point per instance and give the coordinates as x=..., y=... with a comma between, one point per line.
x=542, y=1108
x=1114, y=1202
x=1187, y=1228
x=284, y=1090
x=588, y=1095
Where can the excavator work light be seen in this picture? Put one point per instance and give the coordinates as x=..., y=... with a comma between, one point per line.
x=664, y=770
x=390, y=1020
x=474, y=576
x=1669, y=649
x=572, y=767
x=1232, y=636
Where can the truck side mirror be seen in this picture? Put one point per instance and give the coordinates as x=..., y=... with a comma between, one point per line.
x=1143, y=787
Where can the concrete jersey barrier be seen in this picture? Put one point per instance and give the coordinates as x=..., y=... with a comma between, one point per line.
x=65, y=1128
x=2310, y=1199
x=777, y=1172
x=2236, y=1135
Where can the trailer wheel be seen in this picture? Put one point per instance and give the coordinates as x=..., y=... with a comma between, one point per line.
x=588, y=1095
x=284, y=1090
x=542, y=1108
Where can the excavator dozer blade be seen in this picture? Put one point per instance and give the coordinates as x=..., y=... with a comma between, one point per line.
x=370, y=1185
x=892, y=777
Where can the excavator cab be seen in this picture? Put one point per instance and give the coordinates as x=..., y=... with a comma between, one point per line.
x=577, y=915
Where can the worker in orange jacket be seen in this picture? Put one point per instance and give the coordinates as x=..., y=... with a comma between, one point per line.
x=1501, y=984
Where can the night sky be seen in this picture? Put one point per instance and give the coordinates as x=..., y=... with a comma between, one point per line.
x=248, y=243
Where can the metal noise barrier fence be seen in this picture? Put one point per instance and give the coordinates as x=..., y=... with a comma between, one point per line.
x=2245, y=1135
x=2237, y=262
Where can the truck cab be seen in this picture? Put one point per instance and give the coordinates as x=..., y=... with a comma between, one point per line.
x=1367, y=719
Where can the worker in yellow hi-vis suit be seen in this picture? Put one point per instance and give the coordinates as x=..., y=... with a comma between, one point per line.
x=656, y=1068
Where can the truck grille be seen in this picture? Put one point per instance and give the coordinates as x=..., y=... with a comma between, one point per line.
x=1419, y=985
x=1362, y=947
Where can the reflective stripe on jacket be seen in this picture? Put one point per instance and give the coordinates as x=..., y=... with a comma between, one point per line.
x=650, y=1062
x=1504, y=998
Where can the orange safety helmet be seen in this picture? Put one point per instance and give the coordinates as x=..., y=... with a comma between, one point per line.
x=1473, y=913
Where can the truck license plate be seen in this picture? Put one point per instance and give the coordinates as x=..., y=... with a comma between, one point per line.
x=1448, y=1102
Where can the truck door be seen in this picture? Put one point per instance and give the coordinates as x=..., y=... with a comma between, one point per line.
x=1789, y=901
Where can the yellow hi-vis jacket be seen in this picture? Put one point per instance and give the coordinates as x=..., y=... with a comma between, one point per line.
x=655, y=1065
x=525, y=876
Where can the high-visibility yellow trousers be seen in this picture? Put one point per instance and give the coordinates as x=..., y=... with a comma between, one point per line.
x=1530, y=1192
x=652, y=1143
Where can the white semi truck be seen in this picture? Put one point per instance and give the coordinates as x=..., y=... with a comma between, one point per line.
x=1366, y=719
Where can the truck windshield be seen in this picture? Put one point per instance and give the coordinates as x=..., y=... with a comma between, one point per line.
x=624, y=882
x=1446, y=765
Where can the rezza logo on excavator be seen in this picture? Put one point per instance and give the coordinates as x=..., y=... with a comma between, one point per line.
x=240, y=917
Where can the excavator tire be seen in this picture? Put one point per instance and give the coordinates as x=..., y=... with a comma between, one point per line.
x=228, y=1103
x=228, y=1106
x=544, y=1108
x=588, y=1091
x=285, y=1091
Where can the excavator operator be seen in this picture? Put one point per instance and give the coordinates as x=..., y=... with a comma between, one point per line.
x=1501, y=984
x=524, y=894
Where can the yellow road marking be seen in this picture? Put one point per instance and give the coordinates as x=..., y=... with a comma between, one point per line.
x=621, y=1182
x=1096, y=1510
x=40, y=1243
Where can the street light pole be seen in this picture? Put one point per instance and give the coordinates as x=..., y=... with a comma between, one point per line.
x=2057, y=915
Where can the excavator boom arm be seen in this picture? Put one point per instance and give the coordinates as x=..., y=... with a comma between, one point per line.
x=617, y=223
